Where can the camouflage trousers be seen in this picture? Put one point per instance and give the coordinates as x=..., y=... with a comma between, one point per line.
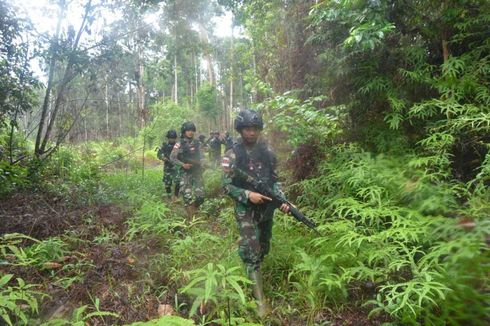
x=171, y=176
x=192, y=188
x=255, y=228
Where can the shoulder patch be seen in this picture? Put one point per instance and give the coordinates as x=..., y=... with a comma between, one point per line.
x=225, y=162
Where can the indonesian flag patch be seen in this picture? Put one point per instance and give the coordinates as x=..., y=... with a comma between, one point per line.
x=225, y=162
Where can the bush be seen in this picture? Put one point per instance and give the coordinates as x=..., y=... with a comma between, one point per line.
x=12, y=177
x=393, y=222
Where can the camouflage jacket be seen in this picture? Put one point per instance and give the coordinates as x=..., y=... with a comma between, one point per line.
x=186, y=151
x=232, y=188
x=164, y=151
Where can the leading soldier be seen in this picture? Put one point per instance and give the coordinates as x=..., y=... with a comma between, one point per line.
x=187, y=155
x=251, y=155
x=170, y=171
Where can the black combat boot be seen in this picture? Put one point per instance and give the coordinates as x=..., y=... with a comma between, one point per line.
x=263, y=308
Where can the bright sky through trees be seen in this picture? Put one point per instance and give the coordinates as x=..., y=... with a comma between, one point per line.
x=43, y=13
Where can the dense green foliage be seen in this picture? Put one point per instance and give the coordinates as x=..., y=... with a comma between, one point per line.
x=17, y=83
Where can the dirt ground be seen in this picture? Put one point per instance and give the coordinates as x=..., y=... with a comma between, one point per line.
x=110, y=271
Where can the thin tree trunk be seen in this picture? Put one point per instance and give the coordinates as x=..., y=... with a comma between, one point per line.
x=85, y=128
x=67, y=77
x=223, y=116
x=207, y=55
x=227, y=116
x=143, y=160
x=197, y=72
x=191, y=95
x=176, y=81
x=106, y=101
x=141, y=96
x=120, y=113
x=194, y=78
x=445, y=49
x=254, y=64
x=52, y=67
x=242, y=98
x=11, y=138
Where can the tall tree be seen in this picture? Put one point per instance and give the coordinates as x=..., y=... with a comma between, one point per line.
x=74, y=58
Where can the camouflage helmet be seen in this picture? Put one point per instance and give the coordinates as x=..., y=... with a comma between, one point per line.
x=187, y=126
x=248, y=118
x=172, y=134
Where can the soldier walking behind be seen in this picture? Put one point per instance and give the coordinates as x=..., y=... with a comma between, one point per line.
x=203, y=143
x=187, y=155
x=228, y=141
x=170, y=171
x=251, y=156
x=215, y=149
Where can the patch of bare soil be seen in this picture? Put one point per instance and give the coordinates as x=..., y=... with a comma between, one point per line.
x=116, y=281
x=38, y=215
x=110, y=270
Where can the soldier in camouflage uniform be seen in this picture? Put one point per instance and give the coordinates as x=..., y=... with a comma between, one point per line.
x=228, y=141
x=215, y=143
x=203, y=143
x=170, y=171
x=187, y=155
x=252, y=156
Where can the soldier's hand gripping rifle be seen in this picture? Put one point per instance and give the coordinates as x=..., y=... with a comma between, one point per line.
x=197, y=165
x=277, y=200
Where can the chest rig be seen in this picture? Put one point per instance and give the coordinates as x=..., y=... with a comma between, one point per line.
x=167, y=149
x=189, y=152
x=258, y=163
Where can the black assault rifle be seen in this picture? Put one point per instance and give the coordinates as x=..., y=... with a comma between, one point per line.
x=264, y=189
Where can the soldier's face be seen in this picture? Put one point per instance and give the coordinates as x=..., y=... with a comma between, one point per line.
x=250, y=134
x=189, y=133
x=171, y=140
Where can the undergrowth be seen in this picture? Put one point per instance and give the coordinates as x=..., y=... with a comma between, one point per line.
x=410, y=244
x=399, y=242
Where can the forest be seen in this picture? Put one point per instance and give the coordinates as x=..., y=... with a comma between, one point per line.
x=378, y=112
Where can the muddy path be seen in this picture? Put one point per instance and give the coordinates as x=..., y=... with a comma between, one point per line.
x=98, y=263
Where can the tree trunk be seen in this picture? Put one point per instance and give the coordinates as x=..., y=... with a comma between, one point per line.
x=106, y=101
x=197, y=73
x=67, y=77
x=242, y=98
x=194, y=77
x=85, y=129
x=445, y=49
x=47, y=95
x=207, y=54
x=191, y=95
x=141, y=95
x=120, y=114
x=254, y=64
x=232, y=75
x=176, y=81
